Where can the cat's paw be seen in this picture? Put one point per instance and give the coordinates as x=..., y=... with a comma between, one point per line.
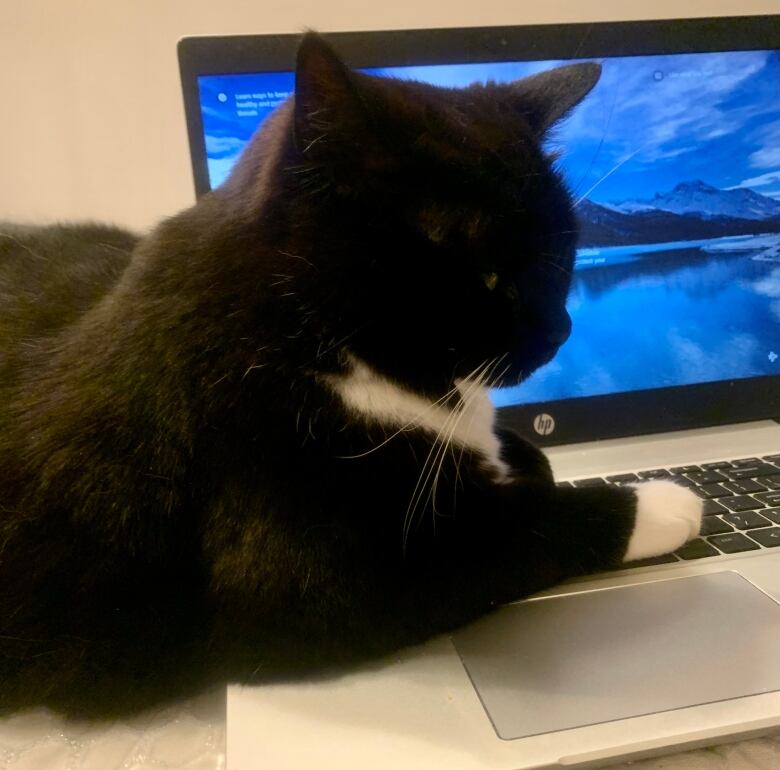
x=667, y=516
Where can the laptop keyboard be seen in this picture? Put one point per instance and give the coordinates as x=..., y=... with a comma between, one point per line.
x=741, y=504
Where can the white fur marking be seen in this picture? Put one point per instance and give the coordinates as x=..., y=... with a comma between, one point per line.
x=380, y=400
x=667, y=516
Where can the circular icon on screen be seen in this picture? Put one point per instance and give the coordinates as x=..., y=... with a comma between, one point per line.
x=222, y=97
x=658, y=76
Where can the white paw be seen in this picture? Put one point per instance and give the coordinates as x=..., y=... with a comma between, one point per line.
x=667, y=516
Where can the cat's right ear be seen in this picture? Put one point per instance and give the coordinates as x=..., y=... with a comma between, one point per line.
x=326, y=95
x=547, y=97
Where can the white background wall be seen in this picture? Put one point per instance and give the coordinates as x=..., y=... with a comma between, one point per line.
x=91, y=118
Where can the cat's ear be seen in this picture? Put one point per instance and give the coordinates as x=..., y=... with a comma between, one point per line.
x=550, y=96
x=325, y=92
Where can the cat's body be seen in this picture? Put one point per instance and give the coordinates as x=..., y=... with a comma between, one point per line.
x=260, y=443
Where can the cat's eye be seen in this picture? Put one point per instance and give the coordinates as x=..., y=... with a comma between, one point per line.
x=491, y=280
x=435, y=234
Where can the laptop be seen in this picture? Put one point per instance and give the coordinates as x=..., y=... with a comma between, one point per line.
x=672, y=371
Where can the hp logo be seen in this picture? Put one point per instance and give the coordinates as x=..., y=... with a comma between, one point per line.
x=544, y=424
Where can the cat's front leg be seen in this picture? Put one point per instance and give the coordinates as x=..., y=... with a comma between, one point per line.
x=508, y=541
x=544, y=534
x=666, y=515
x=522, y=457
x=651, y=519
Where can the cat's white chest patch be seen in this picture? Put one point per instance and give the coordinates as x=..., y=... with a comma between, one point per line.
x=469, y=423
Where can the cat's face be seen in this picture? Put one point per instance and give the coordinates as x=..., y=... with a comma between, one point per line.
x=446, y=235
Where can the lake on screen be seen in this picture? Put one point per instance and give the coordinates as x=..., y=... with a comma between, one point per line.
x=665, y=314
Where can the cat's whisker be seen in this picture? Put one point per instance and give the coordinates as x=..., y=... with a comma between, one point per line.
x=251, y=368
x=111, y=247
x=303, y=168
x=404, y=428
x=298, y=256
x=576, y=189
x=487, y=373
x=607, y=175
x=317, y=190
x=564, y=232
x=555, y=265
x=221, y=379
x=463, y=406
x=438, y=463
x=581, y=181
x=422, y=481
x=424, y=476
x=488, y=376
x=499, y=359
x=499, y=376
x=313, y=142
x=467, y=398
x=24, y=246
x=282, y=279
x=337, y=343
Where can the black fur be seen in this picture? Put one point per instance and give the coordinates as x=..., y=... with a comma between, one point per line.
x=180, y=497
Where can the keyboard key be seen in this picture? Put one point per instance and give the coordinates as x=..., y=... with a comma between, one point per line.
x=772, y=458
x=682, y=481
x=652, y=561
x=744, y=462
x=773, y=514
x=746, y=520
x=711, y=508
x=771, y=482
x=741, y=503
x=655, y=473
x=563, y=484
x=743, y=487
x=696, y=549
x=769, y=538
x=733, y=543
x=707, y=477
x=716, y=466
x=685, y=469
x=597, y=482
x=754, y=470
x=711, y=490
x=623, y=478
x=770, y=498
x=713, y=525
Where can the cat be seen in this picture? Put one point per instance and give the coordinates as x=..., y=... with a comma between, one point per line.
x=257, y=443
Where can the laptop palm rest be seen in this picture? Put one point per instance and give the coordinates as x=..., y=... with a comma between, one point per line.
x=569, y=661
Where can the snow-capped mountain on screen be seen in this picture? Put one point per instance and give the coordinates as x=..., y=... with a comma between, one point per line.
x=692, y=210
x=701, y=199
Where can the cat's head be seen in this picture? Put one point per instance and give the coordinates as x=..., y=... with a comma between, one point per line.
x=439, y=233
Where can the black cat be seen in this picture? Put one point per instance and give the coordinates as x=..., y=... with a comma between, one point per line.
x=257, y=443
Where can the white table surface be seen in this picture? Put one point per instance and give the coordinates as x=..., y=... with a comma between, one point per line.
x=186, y=736
x=191, y=736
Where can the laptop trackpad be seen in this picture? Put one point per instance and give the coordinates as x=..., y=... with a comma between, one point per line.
x=570, y=661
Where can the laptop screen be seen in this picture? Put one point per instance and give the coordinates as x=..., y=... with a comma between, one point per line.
x=674, y=164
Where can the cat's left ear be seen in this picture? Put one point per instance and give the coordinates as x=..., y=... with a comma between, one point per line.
x=550, y=96
x=325, y=92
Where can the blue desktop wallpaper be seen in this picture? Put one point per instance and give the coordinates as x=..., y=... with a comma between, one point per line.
x=674, y=162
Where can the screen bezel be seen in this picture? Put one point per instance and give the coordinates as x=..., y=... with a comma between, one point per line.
x=576, y=419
